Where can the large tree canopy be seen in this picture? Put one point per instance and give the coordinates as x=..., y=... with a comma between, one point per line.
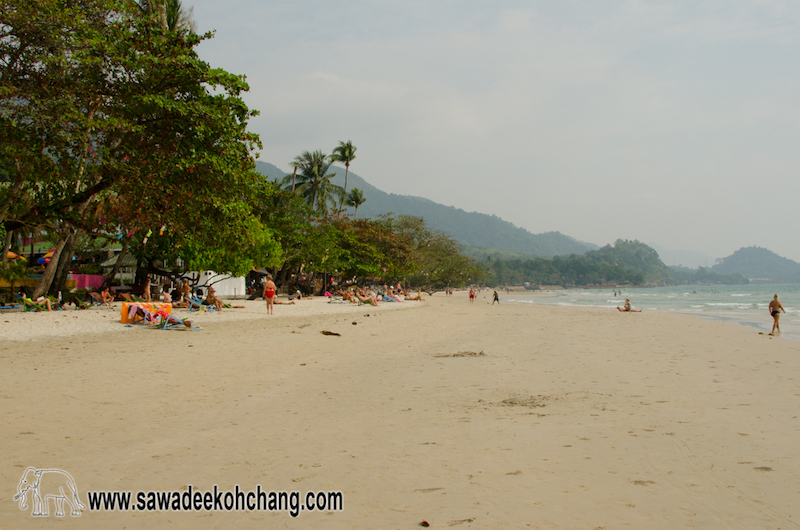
x=112, y=124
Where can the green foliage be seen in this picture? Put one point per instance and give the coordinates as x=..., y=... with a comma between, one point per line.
x=626, y=263
x=467, y=228
x=438, y=260
x=355, y=199
x=345, y=152
x=114, y=124
x=703, y=275
x=314, y=181
x=634, y=256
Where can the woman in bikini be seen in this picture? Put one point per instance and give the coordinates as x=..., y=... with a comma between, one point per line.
x=627, y=307
x=775, y=308
x=269, y=293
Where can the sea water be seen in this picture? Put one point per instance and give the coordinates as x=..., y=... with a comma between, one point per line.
x=744, y=304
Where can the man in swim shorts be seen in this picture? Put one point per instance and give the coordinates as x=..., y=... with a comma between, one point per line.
x=269, y=293
x=775, y=308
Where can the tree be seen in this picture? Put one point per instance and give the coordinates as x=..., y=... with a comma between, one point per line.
x=437, y=257
x=355, y=199
x=345, y=152
x=315, y=181
x=170, y=14
x=113, y=124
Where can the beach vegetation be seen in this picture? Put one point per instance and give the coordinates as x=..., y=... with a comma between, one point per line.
x=115, y=126
x=355, y=199
x=345, y=152
x=313, y=181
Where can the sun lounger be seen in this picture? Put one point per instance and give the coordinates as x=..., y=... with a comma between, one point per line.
x=174, y=323
x=30, y=305
x=96, y=298
x=197, y=305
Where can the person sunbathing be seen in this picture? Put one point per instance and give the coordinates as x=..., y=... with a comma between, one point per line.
x=347, y=295
x=367, y=297
x=146, y=316
x=41, y=304
x=279, y=302
x=417, y=298
x=212, y=299
x=171, y=320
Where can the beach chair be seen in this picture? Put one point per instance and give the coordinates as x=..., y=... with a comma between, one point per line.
x=96, y=299
x=30, y=305
x=175, y=323
x=146, y=317
x=132, y=298
x=195, y=304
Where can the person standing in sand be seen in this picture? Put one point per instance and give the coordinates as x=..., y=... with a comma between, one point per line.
x=186, y=291
x=775, y=308
x=269, y=293
x=495, y=298
x=471, y=295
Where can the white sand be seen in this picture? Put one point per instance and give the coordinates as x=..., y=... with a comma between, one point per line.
x=571, y=418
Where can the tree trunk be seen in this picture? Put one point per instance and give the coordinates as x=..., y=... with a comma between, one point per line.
x=7, y=247
x=64, y=262
x=117, y=265
x=344, y=193
x=49, y=271
x=293, y=177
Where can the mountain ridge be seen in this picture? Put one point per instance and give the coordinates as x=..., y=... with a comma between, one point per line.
x=760, y=265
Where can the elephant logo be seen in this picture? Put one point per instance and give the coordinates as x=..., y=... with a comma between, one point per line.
x=46, y=484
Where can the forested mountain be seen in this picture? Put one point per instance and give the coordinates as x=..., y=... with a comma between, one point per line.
x=468, y=228
x=704, y=275
x=760, y=266
x=624, y=263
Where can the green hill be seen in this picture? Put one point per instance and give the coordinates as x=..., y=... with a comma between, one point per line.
x=471, y=229
x=760, y=266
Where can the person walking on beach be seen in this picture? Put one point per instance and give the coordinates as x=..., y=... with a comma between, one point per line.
x=775, y=308
x=471, y=295
x=269, y=293
x=495, y=298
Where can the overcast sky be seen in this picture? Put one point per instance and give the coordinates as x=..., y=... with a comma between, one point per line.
x=673, y=122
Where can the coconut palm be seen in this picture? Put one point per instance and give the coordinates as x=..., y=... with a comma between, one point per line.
x=171, y=14
x=355, y=199
x=315, y=182
x=346, y=152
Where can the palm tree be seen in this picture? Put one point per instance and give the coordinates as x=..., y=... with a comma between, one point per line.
x=170, y=14
x=355, y=199
x=346, y=152
x=315, y=182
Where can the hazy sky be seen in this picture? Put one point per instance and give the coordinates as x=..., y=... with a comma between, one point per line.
x=669, y=122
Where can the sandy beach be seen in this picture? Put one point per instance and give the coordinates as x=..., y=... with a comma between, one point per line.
x=462, y=415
